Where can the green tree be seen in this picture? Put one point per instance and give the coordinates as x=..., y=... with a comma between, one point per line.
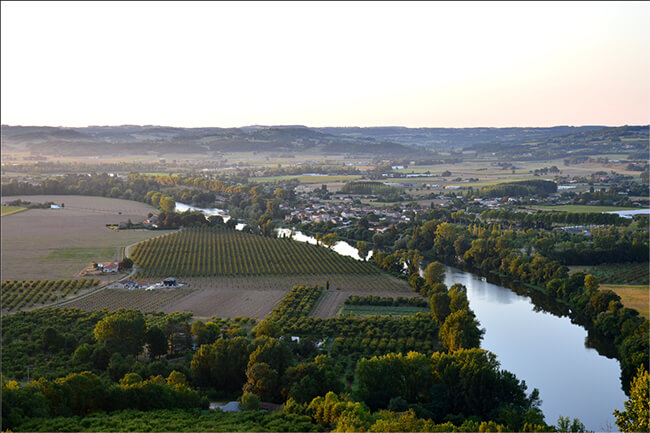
x=249, y=401
x=412, y=260
x=434, y=273
x=222, y=364
x=591, y=283
x=176, y=378
x=262, y=380
x=51, y=339
x=167, y=204
x=565, y=425
x=130, y=379
x=82, y=354
x=118, y=366
x=440, y=306
x=273, y=352
x=461, y=331
x=458, y=298
x=122, y=332
x=157, y=343
x=637, y=408
x=308, y=380
x=268, y=328
x=362, y=247
x=330, y=239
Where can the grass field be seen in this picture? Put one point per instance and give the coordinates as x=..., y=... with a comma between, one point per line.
x=59, y=243
x=632, y=296
x=582, y=208
x=8, y=210
x=379, y=310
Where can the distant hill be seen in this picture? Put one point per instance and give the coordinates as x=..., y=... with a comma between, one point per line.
x=519, y=143
x=133, y=139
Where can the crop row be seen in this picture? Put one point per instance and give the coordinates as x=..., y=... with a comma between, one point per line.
x=18, y=294
x=622, y=273
x=115, y=299
x=203, y=252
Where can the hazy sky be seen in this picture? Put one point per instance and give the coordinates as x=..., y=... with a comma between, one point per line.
x=325, y=64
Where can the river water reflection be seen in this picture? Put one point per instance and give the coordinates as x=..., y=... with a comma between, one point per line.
x=546, y=351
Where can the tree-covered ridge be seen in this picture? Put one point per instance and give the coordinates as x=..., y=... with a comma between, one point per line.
x=546, y=220
x=369, y=188
x=522, y=188
x=198, y=252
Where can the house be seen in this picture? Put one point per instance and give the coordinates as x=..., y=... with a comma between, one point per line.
x=110, y=267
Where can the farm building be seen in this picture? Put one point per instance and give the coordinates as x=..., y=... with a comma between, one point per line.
x=110, y=267
x=170, y=282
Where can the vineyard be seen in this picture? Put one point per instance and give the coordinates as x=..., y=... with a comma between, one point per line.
x=622, y=273
x=203, y=252
x=142, y=300
x=20, y=294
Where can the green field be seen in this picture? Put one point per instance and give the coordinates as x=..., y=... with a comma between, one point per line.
x=8, y=210
x=99, y=253
x=305, y=179
x=577, y=208
x=379, y=310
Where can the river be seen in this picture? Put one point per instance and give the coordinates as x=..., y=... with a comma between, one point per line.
x=544, y=349
x=208, y=212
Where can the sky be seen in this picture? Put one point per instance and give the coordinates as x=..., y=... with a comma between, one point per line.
x=419, y=64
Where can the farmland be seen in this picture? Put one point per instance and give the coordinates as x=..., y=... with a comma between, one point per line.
x=233, y=273
x=18, y=295
x=58, y=243
x=207, y=252
x=143, y=300
x=621, y=273
x=331, y=301
x=379, y=310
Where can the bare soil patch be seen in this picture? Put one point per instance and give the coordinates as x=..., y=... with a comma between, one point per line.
x=228, y=303
x=143, y=300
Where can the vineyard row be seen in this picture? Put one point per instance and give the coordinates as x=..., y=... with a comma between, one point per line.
x=203, y=252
